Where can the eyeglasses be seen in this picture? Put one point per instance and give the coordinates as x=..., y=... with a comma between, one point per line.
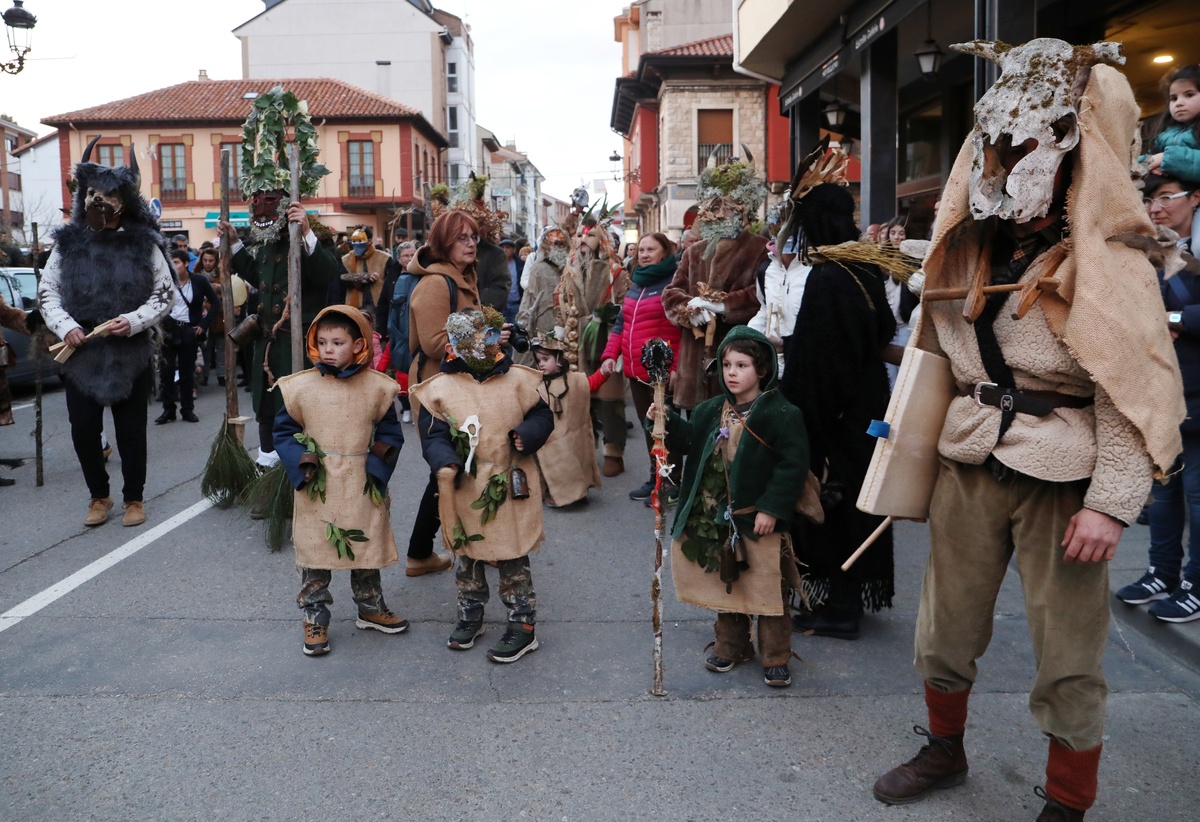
x=1164, y=200
x=467, y=239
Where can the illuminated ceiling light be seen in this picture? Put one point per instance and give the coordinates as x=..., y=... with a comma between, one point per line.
x=1164, y=58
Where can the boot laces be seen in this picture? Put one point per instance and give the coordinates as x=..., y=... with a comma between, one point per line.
x=929, y=750
x=1058, y=808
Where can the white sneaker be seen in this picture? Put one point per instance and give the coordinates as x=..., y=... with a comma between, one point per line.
x=406, y=417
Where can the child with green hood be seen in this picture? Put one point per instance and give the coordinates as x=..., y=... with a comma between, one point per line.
x=747, y=460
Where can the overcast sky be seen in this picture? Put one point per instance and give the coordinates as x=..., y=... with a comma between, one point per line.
x=544, y=68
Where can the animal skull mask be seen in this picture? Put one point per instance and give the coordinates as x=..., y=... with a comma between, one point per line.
x=1030, y=116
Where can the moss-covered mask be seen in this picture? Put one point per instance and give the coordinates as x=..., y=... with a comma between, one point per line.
x=475, y=337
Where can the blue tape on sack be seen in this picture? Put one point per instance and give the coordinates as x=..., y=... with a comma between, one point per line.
x=880, y=429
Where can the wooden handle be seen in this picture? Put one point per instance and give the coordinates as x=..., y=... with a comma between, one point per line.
x=867, y=543
x=295, y=234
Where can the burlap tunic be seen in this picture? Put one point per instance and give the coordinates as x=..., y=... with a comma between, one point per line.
x=568, y=459
x=345, y=437
x=580, y=294
x=501, y=402
x=759, y=588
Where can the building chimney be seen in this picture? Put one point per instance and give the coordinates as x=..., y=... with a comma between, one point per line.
x=203, y=76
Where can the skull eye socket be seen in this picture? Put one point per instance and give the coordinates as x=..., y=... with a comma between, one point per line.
x=1062, y=127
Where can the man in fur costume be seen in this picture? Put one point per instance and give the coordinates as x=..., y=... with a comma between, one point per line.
x=108, y=268
x=590, y=296
x=481, y=421
x=362, y=284
x=265, y=177
x=568, y=459
x=714, y=286
x=1050, y=449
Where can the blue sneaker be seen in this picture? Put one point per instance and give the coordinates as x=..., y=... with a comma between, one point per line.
x=1181, y=606
x=1147, y=589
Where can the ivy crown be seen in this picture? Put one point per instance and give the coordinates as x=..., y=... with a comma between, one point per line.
x=264, y=145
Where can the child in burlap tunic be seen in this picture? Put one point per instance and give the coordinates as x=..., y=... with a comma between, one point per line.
x=568, y=459
x=337, y=434
x=747, y=461
x=481, y=419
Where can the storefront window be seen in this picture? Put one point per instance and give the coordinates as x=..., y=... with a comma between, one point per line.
x=920, y=143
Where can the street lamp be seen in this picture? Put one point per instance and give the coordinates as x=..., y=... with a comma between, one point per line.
x=18, y=25
x=835, y=115
x=929, y=56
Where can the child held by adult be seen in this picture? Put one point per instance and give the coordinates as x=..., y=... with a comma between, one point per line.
x=337, y=434
x=747, y=459
x=481, y=420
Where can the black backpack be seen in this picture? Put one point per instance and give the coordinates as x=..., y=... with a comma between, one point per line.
x=398, y=319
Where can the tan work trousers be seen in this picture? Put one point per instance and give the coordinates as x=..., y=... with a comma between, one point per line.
x=977, y=524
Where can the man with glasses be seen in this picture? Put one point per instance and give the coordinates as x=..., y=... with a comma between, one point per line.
x=1171, y=204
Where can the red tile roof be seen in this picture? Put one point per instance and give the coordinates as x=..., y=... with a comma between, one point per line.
x=712, y=47
x=225, y=101
x=21, y=149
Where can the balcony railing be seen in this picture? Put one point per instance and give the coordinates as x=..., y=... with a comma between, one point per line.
x=174, y=191
x=704, y=151
x=362, y=186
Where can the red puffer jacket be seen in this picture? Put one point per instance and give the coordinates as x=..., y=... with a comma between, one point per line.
x=642, y=319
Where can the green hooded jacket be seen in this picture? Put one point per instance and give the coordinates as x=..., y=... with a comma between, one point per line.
x=765, y=476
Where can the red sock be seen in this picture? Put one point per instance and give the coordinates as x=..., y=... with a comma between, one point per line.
x=1071, y=776
x=947, y=712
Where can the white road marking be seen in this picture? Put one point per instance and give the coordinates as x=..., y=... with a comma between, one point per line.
x=22, y=407
x=60, y=589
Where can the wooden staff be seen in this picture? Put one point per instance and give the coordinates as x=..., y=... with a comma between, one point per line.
x=294, y=233
x=35, y=343
x=657, y=357
x=226, y=268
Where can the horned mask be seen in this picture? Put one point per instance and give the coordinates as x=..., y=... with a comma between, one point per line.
x=1031, y=113
x=105, y=197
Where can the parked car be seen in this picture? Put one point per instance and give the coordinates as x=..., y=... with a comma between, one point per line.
x=23, y=371
x=26, y=284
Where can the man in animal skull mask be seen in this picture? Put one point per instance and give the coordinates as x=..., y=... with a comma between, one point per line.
x=1050, y=448
x=108, y=264
x=714, y=286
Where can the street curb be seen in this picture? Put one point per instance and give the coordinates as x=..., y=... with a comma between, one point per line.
x=1180, y=640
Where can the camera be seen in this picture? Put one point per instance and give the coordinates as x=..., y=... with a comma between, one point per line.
x=518, y=337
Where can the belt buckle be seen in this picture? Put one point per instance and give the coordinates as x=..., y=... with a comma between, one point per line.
x=979, y=386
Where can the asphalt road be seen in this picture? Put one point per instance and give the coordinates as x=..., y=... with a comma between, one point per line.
x=171, y=685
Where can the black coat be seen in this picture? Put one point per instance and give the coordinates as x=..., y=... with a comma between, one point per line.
x=834, y=372
x=202, y=290
x=1184, y=297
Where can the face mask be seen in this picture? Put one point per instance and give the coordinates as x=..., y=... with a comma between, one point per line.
x=360, y=249
x=99, y=215
x=267, y=215
x=557, y=255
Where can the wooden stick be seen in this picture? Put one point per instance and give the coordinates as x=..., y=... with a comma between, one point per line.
x=62, y=352
x=867, y=543
x=294, y=235
x=659, y=459
x=37, y=379
x=226, y=269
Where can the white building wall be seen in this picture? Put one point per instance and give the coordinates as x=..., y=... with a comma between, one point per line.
x=347, y=40
x=41, y=184
x=464, y=159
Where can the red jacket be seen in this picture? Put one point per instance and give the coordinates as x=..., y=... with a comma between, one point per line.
x=642, y=319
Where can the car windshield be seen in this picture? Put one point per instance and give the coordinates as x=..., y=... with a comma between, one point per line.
x=25, y=282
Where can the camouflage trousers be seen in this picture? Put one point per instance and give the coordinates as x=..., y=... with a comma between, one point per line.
x=516, y=589
x=314, y=598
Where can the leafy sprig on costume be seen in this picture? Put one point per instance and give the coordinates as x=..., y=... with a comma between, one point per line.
x=462, y=445
x=373, y=490
x=316, y=486
x=264, y=144
x=492, y=497
x=340, y=539
x=459, y=537
x=706, y=528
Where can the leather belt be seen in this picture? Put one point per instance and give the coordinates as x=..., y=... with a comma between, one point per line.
x=1034, y=403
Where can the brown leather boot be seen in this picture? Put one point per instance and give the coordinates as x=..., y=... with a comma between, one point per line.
x=1055, y=811
x=613, y=466
x=941, y=763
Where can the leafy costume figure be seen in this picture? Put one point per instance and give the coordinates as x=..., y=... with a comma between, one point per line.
x=338, y=437
x=481, y=420
x=744, y=459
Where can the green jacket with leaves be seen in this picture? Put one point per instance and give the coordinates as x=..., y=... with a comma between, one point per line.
x=766, y=475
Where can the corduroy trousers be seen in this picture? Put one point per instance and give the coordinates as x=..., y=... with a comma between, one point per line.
x=977, y=525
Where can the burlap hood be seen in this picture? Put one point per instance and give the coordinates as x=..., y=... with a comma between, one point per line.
x=354, y=314
x=1108, y=310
